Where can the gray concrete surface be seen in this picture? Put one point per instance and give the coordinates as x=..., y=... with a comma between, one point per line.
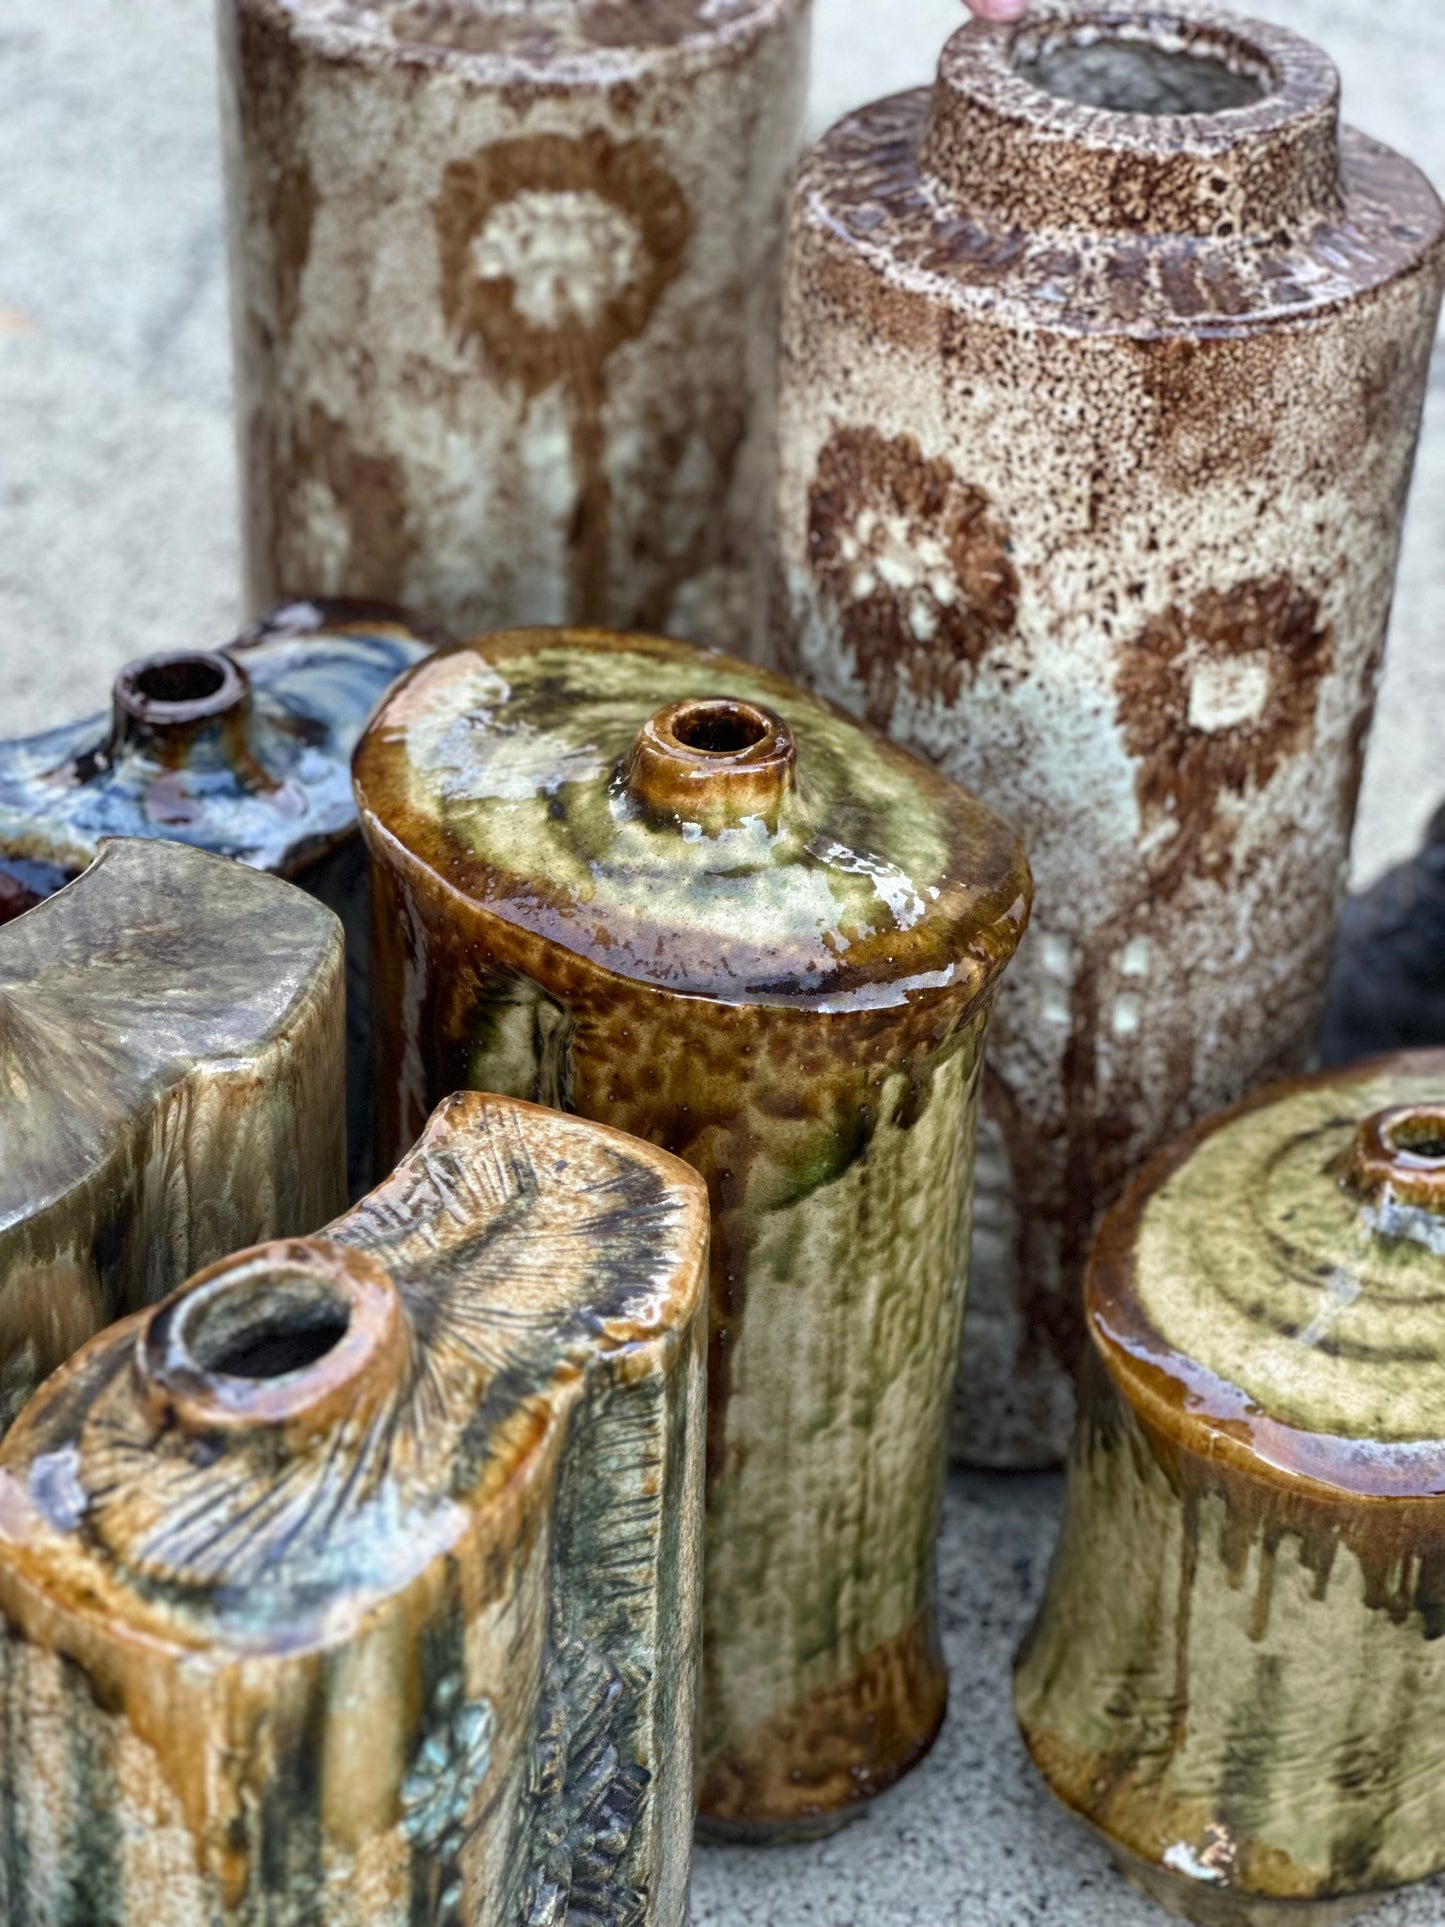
x=118, y=535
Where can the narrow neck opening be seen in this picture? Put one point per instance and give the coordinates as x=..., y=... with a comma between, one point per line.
x=713, y=761
x=167, y=698
x=1399, y=1155
x=292, y=1334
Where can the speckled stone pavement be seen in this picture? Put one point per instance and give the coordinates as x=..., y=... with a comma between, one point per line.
x=118, y=536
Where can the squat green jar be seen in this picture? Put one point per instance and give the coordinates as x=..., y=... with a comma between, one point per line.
x=667, y=890
x=1238, y=1674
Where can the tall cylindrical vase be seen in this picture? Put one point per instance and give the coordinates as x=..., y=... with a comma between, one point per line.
x=505, y=287
x=1103, y=373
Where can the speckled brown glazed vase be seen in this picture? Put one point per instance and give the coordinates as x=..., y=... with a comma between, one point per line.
x=1238, y=1675
x=1103, y=373
x=244, y=750
x=667, y=890
x=357, y=1585
x=542, y=388
x=171, y=1086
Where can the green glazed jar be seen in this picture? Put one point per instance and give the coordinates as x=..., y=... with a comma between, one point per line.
x=1238, y=1674
x=668, y=891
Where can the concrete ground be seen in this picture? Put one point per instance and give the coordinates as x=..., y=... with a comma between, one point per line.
x=118, y=536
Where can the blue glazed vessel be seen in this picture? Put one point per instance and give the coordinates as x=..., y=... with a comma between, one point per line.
x=244, y=751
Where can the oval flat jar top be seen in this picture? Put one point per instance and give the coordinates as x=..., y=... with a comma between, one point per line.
x=539, y=773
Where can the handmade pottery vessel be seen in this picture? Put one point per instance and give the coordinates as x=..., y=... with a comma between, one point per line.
x=358, y=1583
x=1237, y=1675
x=664, y=889
x=171, y=1085
x=1103, y=373
x=244, y=750
x=544, y=389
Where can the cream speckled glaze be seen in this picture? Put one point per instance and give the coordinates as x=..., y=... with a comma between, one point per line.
x=1096, y=430
x=506, y=284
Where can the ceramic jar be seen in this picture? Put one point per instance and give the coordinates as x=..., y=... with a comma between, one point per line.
x=171, y=1086
x=358, y=1582
x=542, y=389
x=1103, y=372
x=244, y=750
x=1237, y=1676
x=661, y=888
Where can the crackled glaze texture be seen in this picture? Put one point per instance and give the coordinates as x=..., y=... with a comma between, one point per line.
x=1103, y=373
x=357, y=1585
x=1238, y=1674
x=171, y=1083
x=746, y=929
x=244, y=750
x=541, y=388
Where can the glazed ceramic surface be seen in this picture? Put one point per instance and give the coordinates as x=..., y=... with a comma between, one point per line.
x=1103, y=374
x=665, y=889
x=171, y=1086
x=1238, y=1674
x=543, y=390
x=356, y=1586
x=244, y=750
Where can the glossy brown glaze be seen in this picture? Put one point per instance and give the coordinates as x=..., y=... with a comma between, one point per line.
x=1103, y=373
x=358, y=1581
x=661, y=887
x=1259, y=1473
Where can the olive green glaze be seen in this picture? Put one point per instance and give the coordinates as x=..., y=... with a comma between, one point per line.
x=357, y=1585
x=1238, y=1673
x=788, y=986
x=171, y=1085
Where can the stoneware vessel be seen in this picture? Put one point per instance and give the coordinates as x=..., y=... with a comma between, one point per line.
x=244, y=750
x=357, y=1585
x=664, y=889
x=1103, y=372
x=543, y=390
x=1238, y=1675
x=171, y=1083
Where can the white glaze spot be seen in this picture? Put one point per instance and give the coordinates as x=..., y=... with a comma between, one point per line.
x=1223, y=695
x=567, y=253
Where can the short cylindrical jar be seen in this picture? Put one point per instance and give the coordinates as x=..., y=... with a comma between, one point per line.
x=1238, y=1676
x=669, y=891
x=505, y=280
x=1103, y=372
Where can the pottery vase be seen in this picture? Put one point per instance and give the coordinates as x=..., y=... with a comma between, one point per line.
x=244, y=750
x=664, y=889
x=1104, y=365
x=543, y=389
x=358, y=1583
x=1237, y=1676
x=171, y=1086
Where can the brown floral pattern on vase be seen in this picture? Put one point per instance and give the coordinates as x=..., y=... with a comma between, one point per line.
x=914, y=564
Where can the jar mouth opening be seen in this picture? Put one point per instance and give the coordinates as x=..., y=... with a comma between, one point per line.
x=180, y=687
x=1151, y=64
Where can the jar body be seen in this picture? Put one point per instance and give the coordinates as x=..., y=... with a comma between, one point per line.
x=836, y=1150
x=544, y=390
x=1107, y=529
